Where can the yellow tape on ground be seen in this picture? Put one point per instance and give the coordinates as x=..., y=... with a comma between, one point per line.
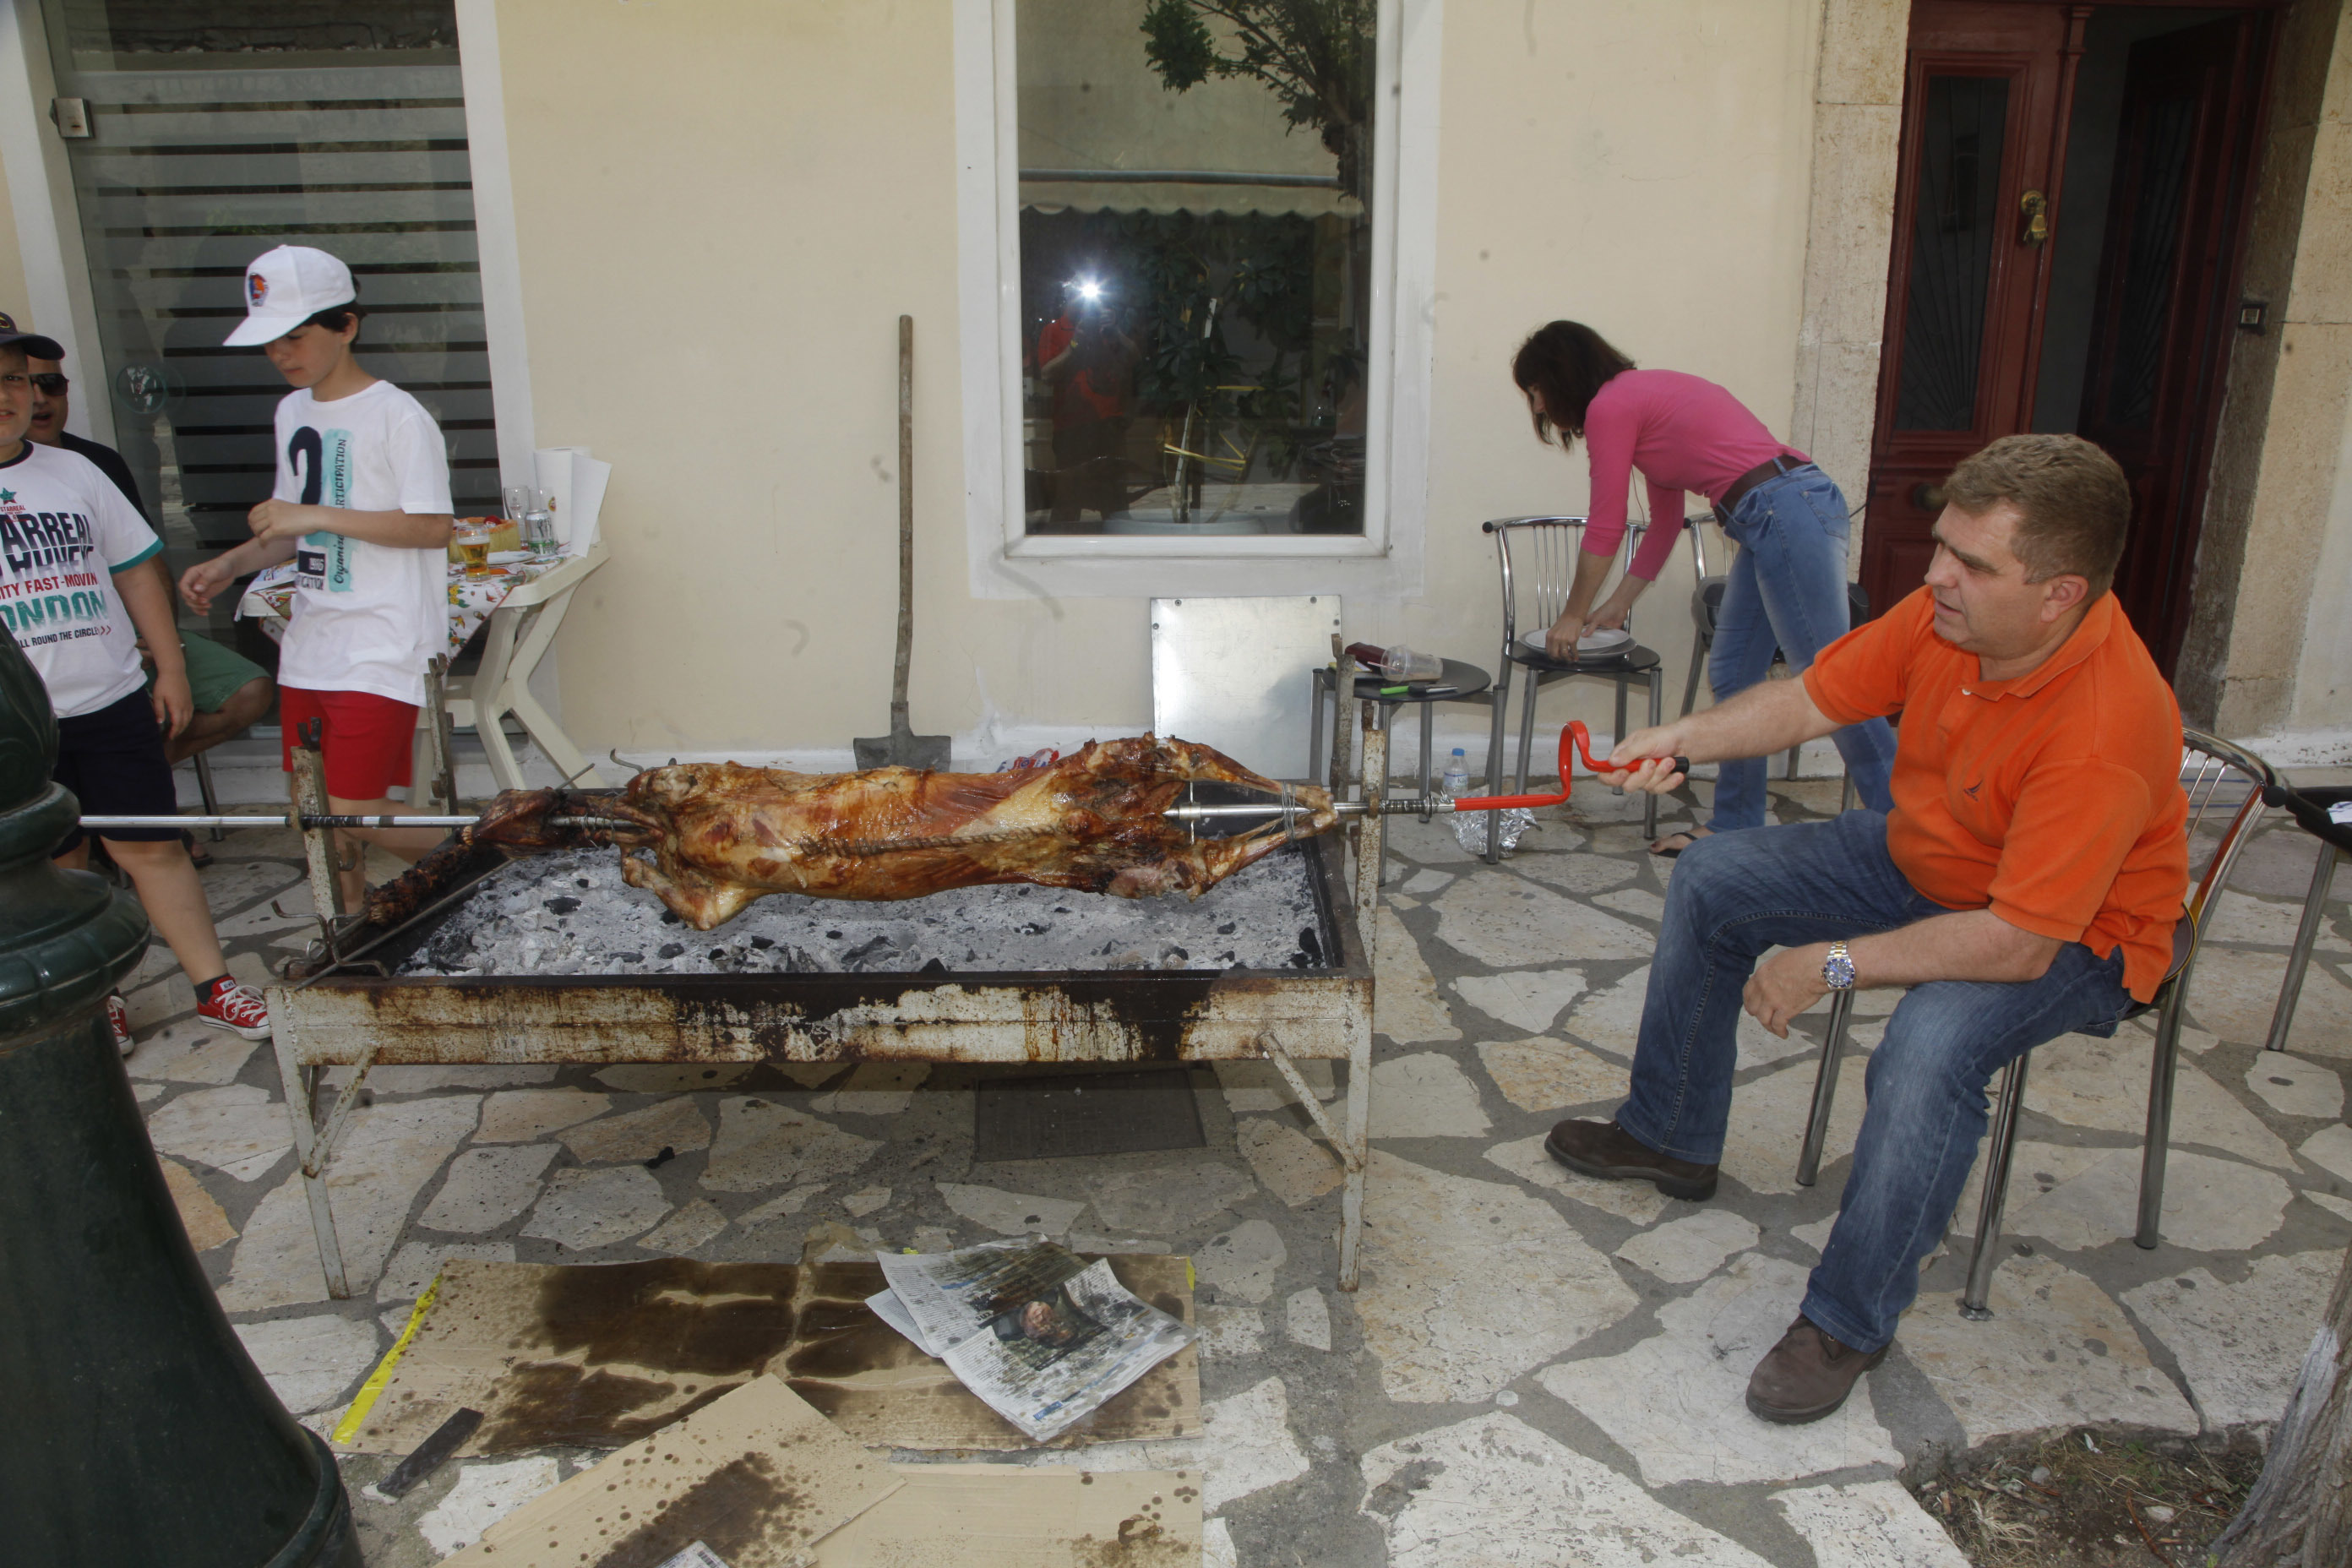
x=349, y=1426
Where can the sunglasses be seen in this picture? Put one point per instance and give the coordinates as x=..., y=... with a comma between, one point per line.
x=51, y=384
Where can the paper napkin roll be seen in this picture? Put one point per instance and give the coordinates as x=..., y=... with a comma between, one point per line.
x=574, y=484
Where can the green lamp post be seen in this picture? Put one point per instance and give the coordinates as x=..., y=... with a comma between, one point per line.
x=133, y=1427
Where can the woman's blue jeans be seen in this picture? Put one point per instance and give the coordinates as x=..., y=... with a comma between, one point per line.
x=1737, y=894
x=1786, y=590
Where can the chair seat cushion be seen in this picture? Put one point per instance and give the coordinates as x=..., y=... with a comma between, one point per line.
x=1633, y=659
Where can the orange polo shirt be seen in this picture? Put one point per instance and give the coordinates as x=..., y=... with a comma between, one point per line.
x=2054, y=800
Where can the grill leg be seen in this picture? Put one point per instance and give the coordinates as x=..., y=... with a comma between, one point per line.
x=1825, y=1076
x=295, y=1082
x=1359, y=1123
x=1314, y=722
x=1999, y=1149
x=2159, y=1137
x=1428, y=742
x=2315, y=907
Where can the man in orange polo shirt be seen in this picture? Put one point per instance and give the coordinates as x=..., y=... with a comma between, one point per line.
x=2024, y=886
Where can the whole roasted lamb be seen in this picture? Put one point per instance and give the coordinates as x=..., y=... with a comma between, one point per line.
x=707, y=839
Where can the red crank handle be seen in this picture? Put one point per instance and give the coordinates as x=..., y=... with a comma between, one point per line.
x=1575, y=739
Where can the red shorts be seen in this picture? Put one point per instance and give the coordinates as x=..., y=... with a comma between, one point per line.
x=368, y=740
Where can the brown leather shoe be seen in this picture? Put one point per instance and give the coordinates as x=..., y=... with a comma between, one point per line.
x=1807, y=1375
x=1605, y=1150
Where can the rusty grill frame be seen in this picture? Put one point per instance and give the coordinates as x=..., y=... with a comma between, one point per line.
x=353, y=1014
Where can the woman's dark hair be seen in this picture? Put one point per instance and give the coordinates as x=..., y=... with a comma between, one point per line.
x=1568, y=363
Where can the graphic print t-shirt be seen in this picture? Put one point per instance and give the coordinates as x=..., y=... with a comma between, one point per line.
x=367, y=617
x=65, y=530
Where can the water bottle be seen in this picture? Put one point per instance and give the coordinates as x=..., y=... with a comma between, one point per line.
x=1457, y=776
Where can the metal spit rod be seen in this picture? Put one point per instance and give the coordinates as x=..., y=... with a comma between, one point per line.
x=312, y=819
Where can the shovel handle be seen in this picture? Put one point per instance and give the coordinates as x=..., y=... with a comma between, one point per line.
x=906, y=523
x=1575, y=741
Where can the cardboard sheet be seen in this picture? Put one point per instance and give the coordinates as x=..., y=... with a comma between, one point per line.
x=756, y=1477
x=601, y=1355
x=1005, y=1516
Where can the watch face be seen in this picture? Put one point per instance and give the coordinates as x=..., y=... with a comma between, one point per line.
x=1837, y=970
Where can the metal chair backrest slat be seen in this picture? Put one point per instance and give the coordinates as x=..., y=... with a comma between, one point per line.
x=2215, y=760
x=1539, y=556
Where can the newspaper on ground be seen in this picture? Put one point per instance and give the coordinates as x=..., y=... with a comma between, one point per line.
x=1041, y=1335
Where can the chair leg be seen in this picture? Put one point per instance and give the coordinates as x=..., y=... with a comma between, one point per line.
x=1657, y=712
x=2315, y=906
x=1825, y=1076
x=1791, y=771
x=1845, y=795
x=212, y=801
x=1528, y=729
x=1690, y=685
x=1500, y=693
x=1999, y=1150
x=2159, y=1136
x=1618, y=732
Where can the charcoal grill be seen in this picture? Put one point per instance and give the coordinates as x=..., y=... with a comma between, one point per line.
x=354, y=1011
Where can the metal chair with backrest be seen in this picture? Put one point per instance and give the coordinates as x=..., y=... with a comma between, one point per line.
x=2208, y=765
x=1538, y=557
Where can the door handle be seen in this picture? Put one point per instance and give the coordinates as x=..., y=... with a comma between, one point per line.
x=1928, y=498
x=2035, y=208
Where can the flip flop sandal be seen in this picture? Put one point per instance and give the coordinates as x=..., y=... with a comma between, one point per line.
x=1688, y=839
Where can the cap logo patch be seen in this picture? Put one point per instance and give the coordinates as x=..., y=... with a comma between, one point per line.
x=256, y=290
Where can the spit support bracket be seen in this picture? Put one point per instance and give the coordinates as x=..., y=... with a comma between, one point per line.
x=1350, y=1156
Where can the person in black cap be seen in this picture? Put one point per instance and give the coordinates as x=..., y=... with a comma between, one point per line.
x=77, y=592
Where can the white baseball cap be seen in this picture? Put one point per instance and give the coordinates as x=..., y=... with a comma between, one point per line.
x=285, y=287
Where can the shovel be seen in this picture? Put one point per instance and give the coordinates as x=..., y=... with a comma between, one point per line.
x=901, y=748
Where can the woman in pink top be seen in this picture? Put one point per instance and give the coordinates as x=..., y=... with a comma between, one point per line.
x=1787, y=587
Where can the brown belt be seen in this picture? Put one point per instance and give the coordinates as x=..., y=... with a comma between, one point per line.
x=1770, y=468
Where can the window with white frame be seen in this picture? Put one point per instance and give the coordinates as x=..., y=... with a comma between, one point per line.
x=1194, y=238
x=1300, y=423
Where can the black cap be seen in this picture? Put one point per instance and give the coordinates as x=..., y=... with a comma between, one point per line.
x=35, y=345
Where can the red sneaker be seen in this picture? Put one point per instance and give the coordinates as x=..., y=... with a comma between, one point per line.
x=237, y=1008
x=118, y=1019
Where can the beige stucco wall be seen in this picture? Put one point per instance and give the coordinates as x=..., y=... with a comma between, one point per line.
x=12, y=265
x=722, y=209
x=1857, y=127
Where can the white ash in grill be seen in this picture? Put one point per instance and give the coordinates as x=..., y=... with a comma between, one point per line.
x=570, y=913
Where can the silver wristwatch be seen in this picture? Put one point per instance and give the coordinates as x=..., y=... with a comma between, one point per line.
x=1837, y=968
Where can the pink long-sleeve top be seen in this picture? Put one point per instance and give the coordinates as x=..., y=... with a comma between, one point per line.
x=1685, y=433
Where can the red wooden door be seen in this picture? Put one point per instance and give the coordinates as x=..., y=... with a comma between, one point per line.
x=2166, y=304
x=1981, y=148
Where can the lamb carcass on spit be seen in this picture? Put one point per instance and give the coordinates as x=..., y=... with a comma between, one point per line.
x=707, y=839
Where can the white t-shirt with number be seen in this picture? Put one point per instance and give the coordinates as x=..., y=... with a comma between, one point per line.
x=65, y=530
x=367, y=617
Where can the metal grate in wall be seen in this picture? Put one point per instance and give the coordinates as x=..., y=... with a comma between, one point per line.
x=189, y=174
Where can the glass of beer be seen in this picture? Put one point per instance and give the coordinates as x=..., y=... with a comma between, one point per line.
x=474, y=545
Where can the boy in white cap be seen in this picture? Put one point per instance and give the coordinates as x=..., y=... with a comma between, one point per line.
x=362, y=507
x=77, y=591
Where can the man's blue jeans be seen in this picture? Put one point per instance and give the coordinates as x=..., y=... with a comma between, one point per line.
x=1734, y=896
x=1786, y=589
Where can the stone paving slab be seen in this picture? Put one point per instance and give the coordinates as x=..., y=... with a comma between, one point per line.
x=1540, y=1369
